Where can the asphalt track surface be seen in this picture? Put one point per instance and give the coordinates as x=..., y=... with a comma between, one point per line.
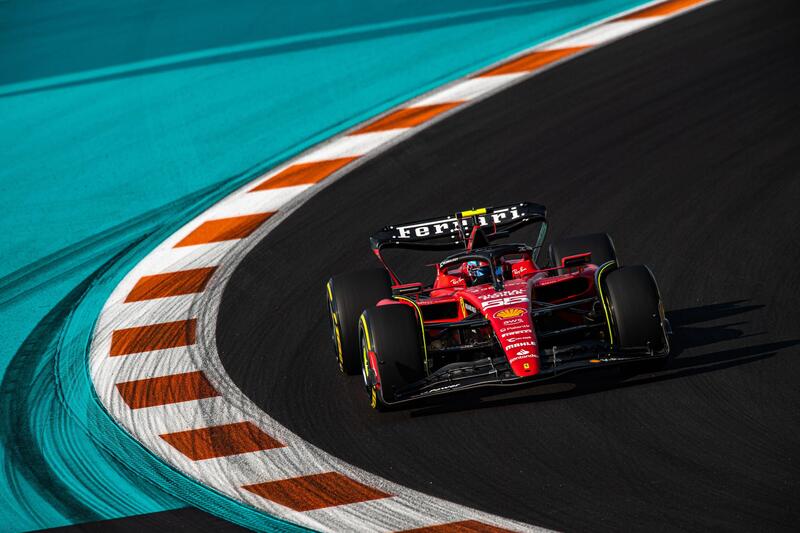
x=683, y=142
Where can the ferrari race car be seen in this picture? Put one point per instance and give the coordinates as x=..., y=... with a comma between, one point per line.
x=493, y=316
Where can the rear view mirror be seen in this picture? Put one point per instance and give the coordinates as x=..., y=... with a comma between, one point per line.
x=576, y=260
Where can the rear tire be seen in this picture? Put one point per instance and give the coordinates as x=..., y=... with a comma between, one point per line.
x=599, y=245
x=348, y=295
x=635, y=307
x=393, y=333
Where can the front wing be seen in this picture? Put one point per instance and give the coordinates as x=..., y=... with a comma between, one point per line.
x=496, y=372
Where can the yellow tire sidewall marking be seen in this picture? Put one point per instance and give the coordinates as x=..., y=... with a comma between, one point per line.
x=365, y=353
x=335, y=323
x=603, y=300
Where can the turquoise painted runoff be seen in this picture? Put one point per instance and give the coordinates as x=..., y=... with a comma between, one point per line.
x=119, y=121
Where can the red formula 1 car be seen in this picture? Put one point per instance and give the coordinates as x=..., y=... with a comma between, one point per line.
x=493, y=315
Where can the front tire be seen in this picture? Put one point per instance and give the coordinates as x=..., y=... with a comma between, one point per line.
x=635, y=307
x=348, y=295
x=393, y=334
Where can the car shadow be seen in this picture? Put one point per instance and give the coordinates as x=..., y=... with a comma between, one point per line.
x=689, y=331
x=686, y=333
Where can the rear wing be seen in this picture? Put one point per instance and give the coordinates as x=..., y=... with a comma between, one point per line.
x=452, y=232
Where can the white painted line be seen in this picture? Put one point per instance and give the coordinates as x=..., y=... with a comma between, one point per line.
x=351, y=145
x=132, y=314
x=249, y=468
x=151, y=364
x=251, y=203
x=168, y=259
x=603, y=34
x=469, y=89
x=149, y=423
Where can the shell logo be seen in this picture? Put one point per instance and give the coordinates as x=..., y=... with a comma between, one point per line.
x=511, y=312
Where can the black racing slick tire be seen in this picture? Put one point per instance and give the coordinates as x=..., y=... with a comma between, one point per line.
x=635, y=307
x=392, y=333
x=599, y=245
x=348, y=295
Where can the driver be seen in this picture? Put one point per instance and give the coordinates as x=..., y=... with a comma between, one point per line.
x=481, y=272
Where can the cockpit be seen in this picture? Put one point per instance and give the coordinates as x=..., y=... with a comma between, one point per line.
x=499, y=263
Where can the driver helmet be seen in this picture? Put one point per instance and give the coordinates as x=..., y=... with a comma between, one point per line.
x=481, y=273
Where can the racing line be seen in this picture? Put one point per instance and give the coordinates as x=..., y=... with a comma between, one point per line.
x=682, y=143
